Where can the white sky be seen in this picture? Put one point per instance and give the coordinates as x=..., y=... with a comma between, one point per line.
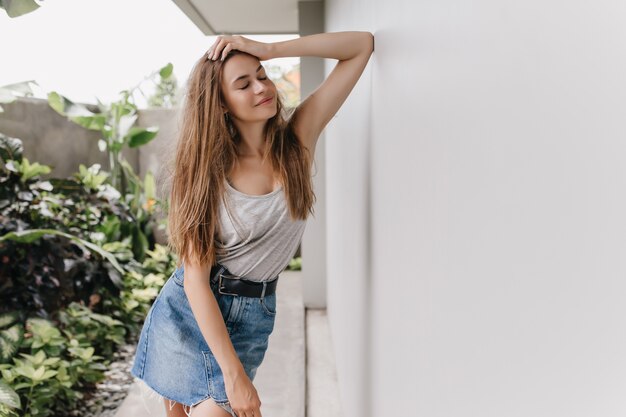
x=85, y=49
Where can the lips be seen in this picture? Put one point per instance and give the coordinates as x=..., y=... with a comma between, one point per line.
x=265, y=100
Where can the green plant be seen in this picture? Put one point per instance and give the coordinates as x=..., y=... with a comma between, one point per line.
x=30, y=375
x=166, y=88
x=11, y=335
x=60, y=239
x=58, y=363
x=15, y=8
x=92, y=329
x=59, y=367
x=9, y=400
x=50, y=231
x=141, y=286
x=44, y=335
x=35, y=371
x=142, y=203
x=115, y=121
x=68, y=253
x=295, y=264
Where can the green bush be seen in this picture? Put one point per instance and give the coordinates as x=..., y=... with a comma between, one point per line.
x=73, y=281
x=47, y=379
x=43, y=272
x=51, y=364
x=98, y=330
x=141, y=287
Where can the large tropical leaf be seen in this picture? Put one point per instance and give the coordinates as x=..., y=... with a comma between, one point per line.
x=29, y=236
x=76, y=112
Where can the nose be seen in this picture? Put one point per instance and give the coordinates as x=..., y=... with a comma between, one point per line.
x=259, y=86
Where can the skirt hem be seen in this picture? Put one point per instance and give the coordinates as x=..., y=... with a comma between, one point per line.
x=147, y=389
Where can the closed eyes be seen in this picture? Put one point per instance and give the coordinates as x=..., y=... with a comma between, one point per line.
x=246, y=86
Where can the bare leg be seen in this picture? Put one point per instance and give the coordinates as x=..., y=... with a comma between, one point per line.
x=175, y=411
x=206, y=408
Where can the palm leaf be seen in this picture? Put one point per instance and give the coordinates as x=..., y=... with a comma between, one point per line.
x=29, y=236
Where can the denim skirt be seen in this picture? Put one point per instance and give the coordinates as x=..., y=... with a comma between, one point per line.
x=173, y=358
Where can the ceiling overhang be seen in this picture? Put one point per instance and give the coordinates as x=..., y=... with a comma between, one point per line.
x=249, y=17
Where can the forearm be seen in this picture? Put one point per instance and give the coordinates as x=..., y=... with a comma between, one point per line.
x=209, y=317
x=335, y=45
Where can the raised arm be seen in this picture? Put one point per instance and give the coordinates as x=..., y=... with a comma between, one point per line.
x=352, y=49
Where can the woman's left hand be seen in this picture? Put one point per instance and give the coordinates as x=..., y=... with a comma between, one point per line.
x=226, y=43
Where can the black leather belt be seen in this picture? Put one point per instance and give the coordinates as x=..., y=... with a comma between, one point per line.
x=229, y=284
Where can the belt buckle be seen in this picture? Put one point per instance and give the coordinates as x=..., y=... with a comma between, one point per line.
x=219, y=287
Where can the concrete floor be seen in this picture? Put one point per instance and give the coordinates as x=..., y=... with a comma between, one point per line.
x=281, y=380
x=322, y=393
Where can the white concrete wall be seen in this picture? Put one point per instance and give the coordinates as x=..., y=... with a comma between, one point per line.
x=486, y=277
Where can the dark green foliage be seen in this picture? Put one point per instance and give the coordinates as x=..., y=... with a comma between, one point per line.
x=79, y=263
x=43, y=274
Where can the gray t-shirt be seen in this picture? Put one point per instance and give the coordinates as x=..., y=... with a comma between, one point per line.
x=258, y=236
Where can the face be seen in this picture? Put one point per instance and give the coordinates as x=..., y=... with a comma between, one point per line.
x=244, y=85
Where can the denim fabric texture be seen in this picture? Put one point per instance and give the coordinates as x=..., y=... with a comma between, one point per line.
x=174, y=360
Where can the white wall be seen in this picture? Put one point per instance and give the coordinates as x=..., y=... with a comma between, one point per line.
x=486, y=278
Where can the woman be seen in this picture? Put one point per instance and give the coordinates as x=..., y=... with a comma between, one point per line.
x=240, y=197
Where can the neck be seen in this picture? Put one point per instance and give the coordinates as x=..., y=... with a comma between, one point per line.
x=252, y=138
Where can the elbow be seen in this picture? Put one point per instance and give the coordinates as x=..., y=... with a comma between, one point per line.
x=194, y=276
x=368, y=40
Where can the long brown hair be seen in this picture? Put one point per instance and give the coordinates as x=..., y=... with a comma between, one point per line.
x=205, y=153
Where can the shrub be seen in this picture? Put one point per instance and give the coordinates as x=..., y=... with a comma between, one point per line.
x=81, y=275
x=41, y=272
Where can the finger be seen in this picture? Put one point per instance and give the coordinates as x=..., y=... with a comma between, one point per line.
x=253, y=411
x=209, y=51
x=227, y=50
x=242, y=413
x=239, y=412
x=216, y=52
